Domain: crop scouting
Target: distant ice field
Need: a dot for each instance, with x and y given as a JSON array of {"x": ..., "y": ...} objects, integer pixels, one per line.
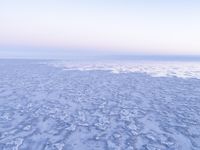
[
  {"x": 68, "y": 105},
  {"x": 182, "y": 69}
]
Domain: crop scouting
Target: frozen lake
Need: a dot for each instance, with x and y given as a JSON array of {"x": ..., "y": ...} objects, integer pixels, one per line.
[{"x": 61, "y": 105}]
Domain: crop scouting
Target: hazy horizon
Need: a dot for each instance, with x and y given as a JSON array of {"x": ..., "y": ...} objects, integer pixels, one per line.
[{"x": 60, "y": 29}]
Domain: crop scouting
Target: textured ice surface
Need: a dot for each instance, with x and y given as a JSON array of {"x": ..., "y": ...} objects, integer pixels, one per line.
[
  {"x": 155, "y": 69},
  {"x": 49, "y": 108}
]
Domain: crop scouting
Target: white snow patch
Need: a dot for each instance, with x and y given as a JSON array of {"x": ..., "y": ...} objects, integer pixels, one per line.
[{"x": 155, "y": 69}]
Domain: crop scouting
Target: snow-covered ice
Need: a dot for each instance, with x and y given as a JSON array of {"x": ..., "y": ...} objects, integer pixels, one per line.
[
  {"x": 61, "y": 105},
  {"x": 184, "y": 69}
]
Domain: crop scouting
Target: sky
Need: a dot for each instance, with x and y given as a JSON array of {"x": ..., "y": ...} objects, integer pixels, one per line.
[{"x": 59, "y": 28}]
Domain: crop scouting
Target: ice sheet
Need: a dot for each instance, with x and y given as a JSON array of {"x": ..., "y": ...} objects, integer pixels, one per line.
[{"x": 43, "y": 107}]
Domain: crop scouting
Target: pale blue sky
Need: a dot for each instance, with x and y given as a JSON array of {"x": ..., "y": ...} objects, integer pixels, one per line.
[{"x": 59, "y": 27}]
